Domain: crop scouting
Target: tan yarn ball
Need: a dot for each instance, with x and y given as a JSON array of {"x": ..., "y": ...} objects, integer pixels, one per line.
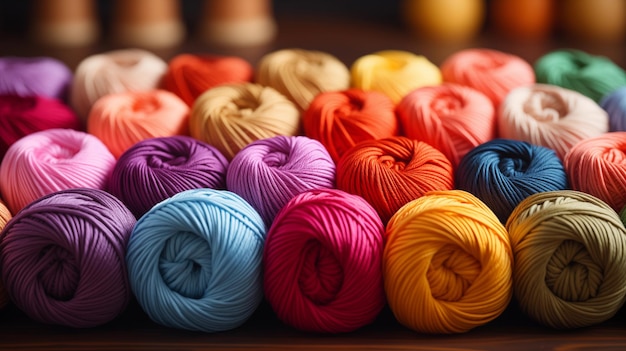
[
  {"x": 229, "y": 117},
  {"x": 5, "y": 216}
]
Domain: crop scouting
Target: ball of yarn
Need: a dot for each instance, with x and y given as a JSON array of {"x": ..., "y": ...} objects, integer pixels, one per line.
[
  {"x": 157, "y": 168},
  {"x": 194, "y": 260},
  {"x": 232, "y": 116},
  {"x": 569, "y": 259},
  {"x": 269, "y": 172},
  {"x": 452, "y": 118},
  {"x": 300, "y": 74},
  {"x": 63, "y": 258},
  {"x": 591, "y": 75},
  {"x": 121, "y": 120},
  {"x": 447, "y": 264},
  {"x": 492, "y": 72},
  {"x": 394, "y": 73},
  {"x": 322, "y": 262},
  {"x": 189, "y": 75},
  {"x": 614, "y": 104},
  {"x": 550, "y": 116},
  {"x": 114, "y": 72},
  {"x": 52, "y": 160},
  {"x": 341, "y": 119},
  {"x": 5, "y": 217},
  {"x": 503, "y": 172},
  {"x": 35, "y": 76},
  {"x": 597, "y": 166},
  {"x": 24, "y": 115},
  {"x": 390, "y": 172}
]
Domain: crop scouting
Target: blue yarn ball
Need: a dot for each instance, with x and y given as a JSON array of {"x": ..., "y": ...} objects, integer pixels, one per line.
[
  {"x": 615, "y": 105},
  {"x": 504, "y": 172},
  {"x": 195, "y": 260}
]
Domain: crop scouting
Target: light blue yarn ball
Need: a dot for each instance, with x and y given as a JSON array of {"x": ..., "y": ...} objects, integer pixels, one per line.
[
  {"x": 615, "y": 105},
  {"x": 195, "y": 260}
]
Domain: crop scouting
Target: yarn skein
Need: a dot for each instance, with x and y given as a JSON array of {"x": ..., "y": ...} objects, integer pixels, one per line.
[
  {"x": 503, "y": 172},
  {"x": 591, "y": 75},
  {"x": 300, "y": 74},
  {"x": 121, "y": 120},
  {"x": 269, "y": 172},
  {"x": 24, "y": 115},
  {"x": 63, "y": 258},
  {"x": 492, "y": 72},
  {"x": 341, "y": 119},
  {"x": 188, "y": 75},
  {"x": 394, "y": 73},
  {"x": 35, "y": 76},
  {"x": 232, "y": 116},
  {"x": 614, "y": 104},
  {"x": 447, "y": 263},
  {"x": 550, "y": 116},
  {"x": 52, "y": 160},
  {"x": 194, "y": 261},
  {"x": 322, "y": 262},
  {"x": 157, "y": 168},
  {"x": 452, "y": 118},
  {"x": 390, "y": 172},
  {"x": 5, "y": 217},
  {"x": 569, "y": 259}
]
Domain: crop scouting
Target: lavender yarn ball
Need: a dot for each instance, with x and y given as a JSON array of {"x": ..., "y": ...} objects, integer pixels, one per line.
[
  {"x": 614, "y": 104},
  {"x": 269, "y": 172},
  {"x": 63, "y": 258},
  {"x": 155, "y": 169},
  {"x": 35, "y": 76}
]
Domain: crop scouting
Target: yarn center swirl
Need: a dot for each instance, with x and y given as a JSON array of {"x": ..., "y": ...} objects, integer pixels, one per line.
[
  {"x": 572, "y": 274},
  {"x": 321, "y": 274},
  {"x": 186, "y": 264},
  {"x": 59, "y": 273},
  {"x": 451, "y": 273},
  {"x": 545, "y": 107}
]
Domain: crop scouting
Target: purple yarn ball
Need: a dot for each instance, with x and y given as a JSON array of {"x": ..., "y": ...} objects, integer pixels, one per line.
[
  {"x": 155, "y": 169},
  {"x": 64, "y": 258},
  {"x": 35, "y": 76},
  {"x": 269, "y": 172},
  {"x": 614, "y": 104}
]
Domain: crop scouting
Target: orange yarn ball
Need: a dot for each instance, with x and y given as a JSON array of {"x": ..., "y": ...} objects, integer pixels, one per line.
[
  {"x": 341, "y": 119},
  {"x": 5, "y": 216},
  {"x": 390, "y": 172}
]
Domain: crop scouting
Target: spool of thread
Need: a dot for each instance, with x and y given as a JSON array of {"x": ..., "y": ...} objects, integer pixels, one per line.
[
  {"x": 550, "y": 116},
  {"x": 523, "y": 19},
  {"x": 52, "y": 160},
  {"x": 450, "y": 117},
  {"x": 342, "y": 119},
  {"x": 155, "y": 169},
  {"x": 597, "y": 21},
  {"x": 114, "y": 71},
  {"x": 5, "y": 217},
  {"x": 614, "y": 104},
  {"x": 447, "y": 264},
  {"x": 194, "y": 261},
  {"x": 569, "y": 259},
  {"x": 269, "y": 172},
  {"x": 21, "y": 116},
  {"x": 597, "y": 166},
  {"x": 147, "y": 23},
  {"x": 447, "y": 21},
  {"x": 390, "y": 172},
  {"x": 318, "y": 277},
  {"x": 232, "y": 116},
  {"x": 301, "y": 74},
  {"x": 503, "y": 172},
  {"x": 188, "y": 75},
  {"x": 63, "y": 258},
  {"x": 35, "y": 76},
  {"x": 492, "y": 72},
  {"x": 123, "y": 119},
  {"x": 591, "y": 75},
  {"x": 65, "y": 23},
  {"x": 394, "y": 73}
]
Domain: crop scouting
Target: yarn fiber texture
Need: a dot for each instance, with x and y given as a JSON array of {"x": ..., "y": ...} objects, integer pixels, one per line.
[
  {"x": 394, "y": 73},
  {"x": 447, "y": 263},
  {"x": 35, "y": 76},
  {"x": 341, "y": 119},
  {"x": 452, "y": 118},
  {"x": 503, "y": 172},
  {"x": 591, "y": 75},
  {"x": 269, "y": 172},
  {"x": 614, "y": 104},
  {"x": 5, "y": 217},
  {"x": 157, "y": 168},
  {"x": 232, "y": 116},
  {"x": 322, "y": 262},
  {"x": 390, "y": 172},
  {"x": 194, "y": 261},
  {"x": 63, "y": 258},
  {"x": 550, "y": 116},
  {"x": 52, "y": 160},
  {"x": 569, "y": 259},
  {"x": 300, "y": 74},
  {"x": 121, "y": 120}
]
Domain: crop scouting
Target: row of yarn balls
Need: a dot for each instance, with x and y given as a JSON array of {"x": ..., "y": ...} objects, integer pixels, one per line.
[{"x": 440, "y": 191}]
